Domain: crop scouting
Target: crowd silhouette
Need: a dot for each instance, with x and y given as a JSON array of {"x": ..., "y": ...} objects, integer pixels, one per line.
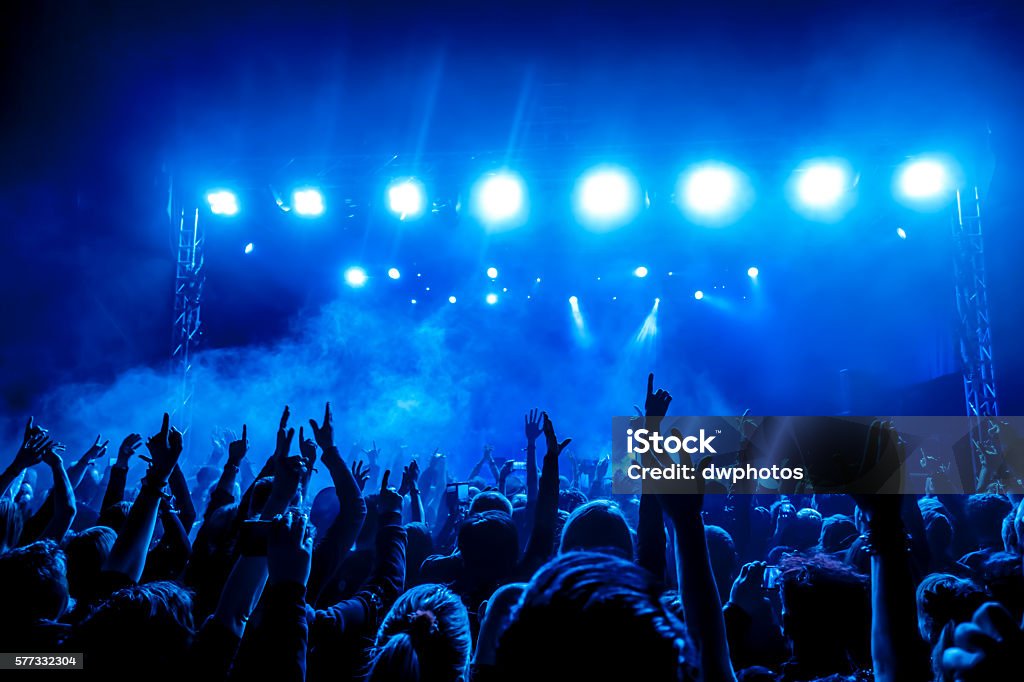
[{"x": 503, "y": 572}]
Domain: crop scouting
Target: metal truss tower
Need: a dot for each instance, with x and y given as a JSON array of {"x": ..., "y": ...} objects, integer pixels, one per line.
[
  {"x": 974, "y": 330},
  {"x": 189, "y": 277}
]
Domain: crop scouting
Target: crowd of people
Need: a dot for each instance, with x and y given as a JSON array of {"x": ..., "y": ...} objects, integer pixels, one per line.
[{"x": 506, "y": 572}]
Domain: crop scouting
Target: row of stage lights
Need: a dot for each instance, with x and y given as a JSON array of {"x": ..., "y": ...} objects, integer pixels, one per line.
[
  {"x": 357, "y": 278},
  {"x": 608, "y": 196}
]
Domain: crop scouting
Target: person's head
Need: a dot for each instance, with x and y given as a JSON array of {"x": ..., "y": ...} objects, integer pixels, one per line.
[
  {"x": 598, "y": 525},
  {"x": 724, "y": 559},
  {"x": 837, "y": 534},
  {"x": 826, "y": 611},
  {"x": 805, "y": 530},
  {"x": 581, "y": 604},
  {"x": 206, "y": 476},
  {"x": 1013, "y": 531},
  {"x": 1001, "y": 575},
  {"x": 489, "y": 545},
  {"x": 419, "y": 545},
  {"x": 86, "y": 552},
  {"x": 569, "y": 500},
  {"x": 490, "y": 500},
  {"x": 33, "y": 584},
  {"x": 114, "y": 515},
  {"x": 11, "y": 522},
  {"x": 425, "y": 636},
  {"x": 938, "y": 532},
  {"x": 943, "y": 598},
  {"x": 830, "y": 505},
  {"x": 325, "y": 508},
  {"x": 143, "y": 627},
  {"x": 985, "y": 514}
]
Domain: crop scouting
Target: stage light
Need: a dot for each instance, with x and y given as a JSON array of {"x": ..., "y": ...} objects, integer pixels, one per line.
[
  {"x": 355, "y": 277},
  {"x": 222, "y": 202},
  {"x": 713, "y": 193},
  {"x": 451, "y": 299},
  {"x": 574, "y": 302},
  {"x": 901, "y": 233},
  {"x": 924, "y": 179},
  {"x": 607, "y": 197},
  {"x": 308, "y": 202},
  {"x": 413, "y": 301},
  {"x": 393, "y": 273},
  {"x": 698, "y": 295},
  {"x": 492, "y": 273},
  {"x": 821, "y": 185},
  {"x": 640, "y": 272},
  {"x": 499, "y": 200},
  {"x": 248, "y": 247},
  {"x": 491, "y": 299},
  {"x": 407, "y": 198},
  {"x": 753, "y": 272}
]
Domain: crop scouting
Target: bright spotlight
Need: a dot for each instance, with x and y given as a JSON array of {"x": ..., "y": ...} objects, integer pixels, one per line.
[
  {"x": 355, "y": 277},
  {"x": 607, "y": 197},
  {"x": 640, "y": 272},
  {"x": 491, "y": 299},
  {"x": 924, "y": 179},
  {"x": 407, "y": 198},
  {"x": 308, "y": 202},
  {"x": 393, "y": 273},
  {"x": 901, "y": 233},
  {"x": 712, "y": 193},
  {"x": 821, "y": 185},
  {"x": 698, "y": 295},
  {"x": 499, "y": 200},
  {"x": 222, "y": 202},
  {"x": 492, "y": 273},
  {"x": 753, "y": 272},
  {"x": 248, "y": 247},
  {"x": 451, "y": 299},
  {"x": 574, "y": 302}
]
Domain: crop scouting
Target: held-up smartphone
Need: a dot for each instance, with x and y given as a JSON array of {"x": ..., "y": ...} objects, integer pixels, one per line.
[
  {"x": 771, "y": 577},
  {"x": 459, "y": 489},
  {"x": 252, "y": 537}
]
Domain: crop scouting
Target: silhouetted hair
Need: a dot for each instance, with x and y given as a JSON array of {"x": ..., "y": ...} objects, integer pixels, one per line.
[
  {"x": 425, "y": 636},
  {"x": 86, "y": 552},
  {"x": 943, "y": 598},
  {"x": 11, "y": 523},
  {"x": 33, "y": 583},
  {"x": 113, "y": 516},
  {"x": 490, "y": 500},
  {"x": 598, "y": 526},
  {"x": 489, "y": 545}
]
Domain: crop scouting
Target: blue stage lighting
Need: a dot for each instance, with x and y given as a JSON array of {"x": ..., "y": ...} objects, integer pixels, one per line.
[
  {"x": 492, "y": 299},
  {"x": 640, "y": 272},
  {"x": 821, "y": 185},
  {"x": 407, "y": 198},
  {"x": 901, "y": 233},
  {"x": 712, "y": 193},
  {"x": 451, "y": 299},
  {"x": 607, "y": 197},
  {"x": 222, "y": 202},
  {"x": 924, "y": 179},
  {"x": 574, "y": 302},
  {"x": 499, "y": 200},
  {"x": 355, "y": 277},
  {"x": 753, "y": 272},
  {"x": 698, "y": 295},
  {"x": 248, "y": 247},
  {"x": 308, "y": 202},
  {"x": 492, "y": 273},
  {"x": 394, "y": 273}
]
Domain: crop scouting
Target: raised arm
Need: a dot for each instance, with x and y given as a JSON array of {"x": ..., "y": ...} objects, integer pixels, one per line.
[
  {"x": 223, "y": 492},
  {"x": 182, "y": 499},
  {"x": 542, "y": 538},
  {"x": 34, "y": 443},
  {"x": 411, "y": 487},
  {"x": 114, "y": 493},
  {"x": 76, "y": 472},
  {"x": 63, "y": 495},
  {"x": 533, "y": 425}
]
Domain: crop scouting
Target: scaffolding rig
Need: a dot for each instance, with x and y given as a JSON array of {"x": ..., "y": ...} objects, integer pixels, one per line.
[
  {"x": 974, "y": 329},
  {"x": 189, "y": 277}
]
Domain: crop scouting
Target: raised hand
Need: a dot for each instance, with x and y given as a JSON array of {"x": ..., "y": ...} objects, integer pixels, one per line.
[
  {"x": 128, "y": 447},
  {"x": 533, "y": 425},
  {"x": 324, "y": 434},
  {"x": 389, "y": 500},
  {"x": 284, "y": 437},
  {"x": 373, "y": 454},
  {"x": 164, "y": 449},
  {"x": 290, "y": 549},
  {"x": 748, "y": 591},
  {"x": 986, "y": 647},
  {"x": 33, "y": 445},
  {"x": 884, "y": 452},
  {"x": 410, "y": 479},
  {"x": 554, "y": 447},
  {"x": 96, "y": 450},
  {"x": 237, "y": 449},
  {"x": 308, "y": 449},
  {"x": 361, "y": 472},
  {"x": 658, "y": 401}
]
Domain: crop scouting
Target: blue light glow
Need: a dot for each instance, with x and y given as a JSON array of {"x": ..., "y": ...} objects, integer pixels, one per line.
[
  {"x": 308, "y": 202},
  {"x": 753, "y": 272},
  {"x": 355, "y": 277},
  {"x": 222, "y": 202},
  {"x": 492, "y": 273},
  {"x": 407, "y": 198},
  {"x": 712, "y": 193},
  {"x": 491, "y": 299},
  {"x": 394, "y": 273},
  {"x": 248, "y": 247},
  {"x": 499, "y": 200},
  {"x": 607, "y": 197},
  {"x": 698, "y": 295},
  {"x": 640, "y": 272}
]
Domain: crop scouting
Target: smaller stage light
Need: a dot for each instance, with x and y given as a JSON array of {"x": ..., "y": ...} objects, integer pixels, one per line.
[
  {"x": 406, "y": 198},
  {"x": 451, "y": 299},
  {"x": 573, "y": 301},
  {"x": 492, "y": 273},
  {"x": 492, "y": 299},
  {"x": 499, "y": 200},
  {"x": 393, "y": 273},
  {"x": 413, "y": 301},
  {"x": 248, "y": 247},
  {"x": 924, "y": 179},
  {"x": 753, "y": 272},
  {"x": 308, "y": 202},
  {"x": 222, "y": 202},
  {"x": 698, "y": 295},
  {"x": 355, "y": 277},
  {"x": 640, "y": 272},
  {"x": 901, "y": 233}
]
